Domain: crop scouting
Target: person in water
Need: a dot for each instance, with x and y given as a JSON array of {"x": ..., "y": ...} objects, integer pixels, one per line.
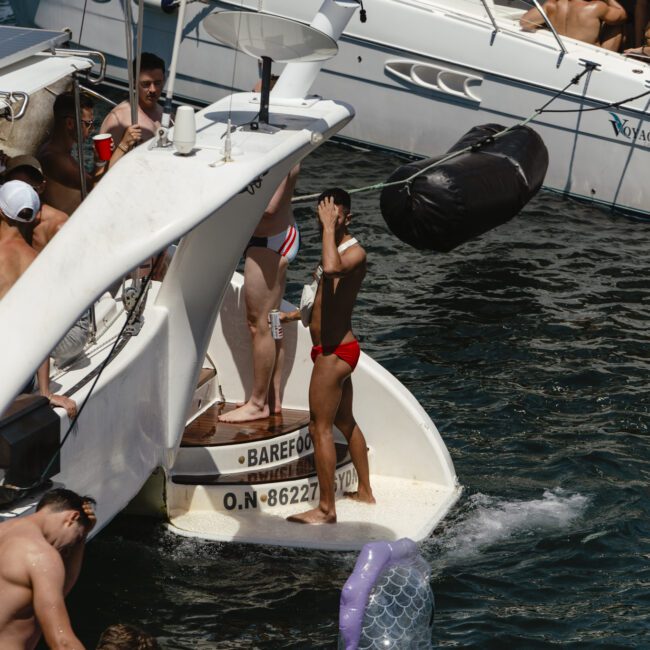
[
  {"x": 335, "y": 354},
  {"x": 118, "y": 121},
  {"x": 19, "y": 205},
  {"x": 126, "y": 637},
  {"x": 40, "y": 560},
  {"x": 579, "y": 19},
  {"x": 273, "y": 246}
]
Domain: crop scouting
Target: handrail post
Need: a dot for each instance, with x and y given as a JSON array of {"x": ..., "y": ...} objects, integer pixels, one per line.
[
  {"x": 492, "y": 19},
  {"x": 550, "y": 26}
]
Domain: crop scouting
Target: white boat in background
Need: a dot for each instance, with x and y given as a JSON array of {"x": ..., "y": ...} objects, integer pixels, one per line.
[
  {"x": 160, "y": 370},
  {"x": 420, "y": 73}
]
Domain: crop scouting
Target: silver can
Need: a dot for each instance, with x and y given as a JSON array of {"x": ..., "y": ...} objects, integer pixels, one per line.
[{"x": 276, "y": 326}]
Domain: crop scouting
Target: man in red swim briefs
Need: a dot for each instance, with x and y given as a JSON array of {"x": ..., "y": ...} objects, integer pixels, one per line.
[{"x": 335, "y": 355}]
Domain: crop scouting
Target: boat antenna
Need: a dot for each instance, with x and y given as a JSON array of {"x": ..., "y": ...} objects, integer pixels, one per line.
[
  {"x": 138, "y": 55},
  {"x": 128, "y": 33},
  {"x": 163, "y": 141}
]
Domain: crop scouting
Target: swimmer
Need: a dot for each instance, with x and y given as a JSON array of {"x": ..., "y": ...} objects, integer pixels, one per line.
[{"x": 40, "y": 561}]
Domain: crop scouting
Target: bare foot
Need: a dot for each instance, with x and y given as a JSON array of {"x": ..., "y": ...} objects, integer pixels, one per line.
[
  {"x": 361, "y": 496},
  {"x": 246, "y": 413},
  {"x": 315, "y": 516}
]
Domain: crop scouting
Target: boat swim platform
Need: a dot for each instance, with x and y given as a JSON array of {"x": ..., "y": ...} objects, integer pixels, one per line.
[
  {"x": 237, "y": 482},
  {"x": 403, "y": 509}
]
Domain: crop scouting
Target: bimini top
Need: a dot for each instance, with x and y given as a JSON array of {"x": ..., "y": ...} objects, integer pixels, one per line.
[{"x": 277, "y": 38}]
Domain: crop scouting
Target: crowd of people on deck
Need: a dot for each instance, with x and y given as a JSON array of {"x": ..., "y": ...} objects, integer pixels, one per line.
[
  {"x": 40, "y": 554},
  {"x": 616, "y": 25},
  {"x": 38, "y": 193}
]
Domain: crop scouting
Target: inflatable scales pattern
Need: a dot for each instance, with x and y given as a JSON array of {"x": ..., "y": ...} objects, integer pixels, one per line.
[{"x": 387, "y": 601}]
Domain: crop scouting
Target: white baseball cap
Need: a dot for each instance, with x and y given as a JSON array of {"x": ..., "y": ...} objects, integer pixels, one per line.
[{"x": 16, "y": 196}]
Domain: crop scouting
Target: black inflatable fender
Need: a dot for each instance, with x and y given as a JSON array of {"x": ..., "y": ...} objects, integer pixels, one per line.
[{"x": 469, "y": 194}]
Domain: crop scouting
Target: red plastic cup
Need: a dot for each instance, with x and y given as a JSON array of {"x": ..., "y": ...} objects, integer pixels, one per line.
[{"x": 103, "y": 145}]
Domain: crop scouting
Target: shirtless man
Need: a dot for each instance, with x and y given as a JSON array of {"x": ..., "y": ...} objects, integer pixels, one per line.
[
  {"x": 335, "y": 355},
  {"x": 579, "y": 19},
  {"x": 40, "y": 561},
  {"x": 272, "y": 247},
  {"x": 61, "y": 169},
  {"x": 118, "y": 121},
  {"x": 19, "y": 204},
  {"x": 49, "y": 220}
]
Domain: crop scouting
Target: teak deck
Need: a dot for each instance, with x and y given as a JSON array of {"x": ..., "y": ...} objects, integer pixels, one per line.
[{"x": 207, "y": 431}]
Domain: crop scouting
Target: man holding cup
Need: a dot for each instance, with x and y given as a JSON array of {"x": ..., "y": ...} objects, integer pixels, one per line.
[{"x": 118, "y": 122}]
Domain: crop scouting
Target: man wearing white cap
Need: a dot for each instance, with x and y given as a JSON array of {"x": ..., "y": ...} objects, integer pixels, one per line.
[
  {"x": 19, "y": 205},
  {"x": 49, "y": 220}
]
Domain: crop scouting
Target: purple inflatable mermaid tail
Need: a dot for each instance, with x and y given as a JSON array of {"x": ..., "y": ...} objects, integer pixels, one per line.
[{"x": 387, "y": 602}]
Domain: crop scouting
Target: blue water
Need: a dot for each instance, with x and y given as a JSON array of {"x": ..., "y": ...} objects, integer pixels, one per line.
[{"x": 529, "y": 348}]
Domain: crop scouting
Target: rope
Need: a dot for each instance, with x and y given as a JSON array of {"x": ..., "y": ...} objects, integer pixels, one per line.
[
  {"x": 487, "y": 140},
  {"x": 101, "y": 369},
  {"x": 83, "y": 20}
]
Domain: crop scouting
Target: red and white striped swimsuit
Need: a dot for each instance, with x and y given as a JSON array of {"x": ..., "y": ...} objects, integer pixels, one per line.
[{"x": 285, "y": 243}]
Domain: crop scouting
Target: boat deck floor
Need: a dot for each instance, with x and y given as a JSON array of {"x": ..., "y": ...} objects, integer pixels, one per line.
[
  {"x": 207, "y": 431},
  {"x": 404, "y": 508}
]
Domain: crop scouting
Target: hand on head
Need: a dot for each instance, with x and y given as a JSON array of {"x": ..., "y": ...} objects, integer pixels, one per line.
[
  {"x": 328, "y": 212},
  {"x": 90, "y": 513}
]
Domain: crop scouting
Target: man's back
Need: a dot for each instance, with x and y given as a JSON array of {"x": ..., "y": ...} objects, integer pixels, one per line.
[
  {"x": 579, "y": 19},
  {"x": 23, "y": 549},
  {"x": 15, "y": 256}
]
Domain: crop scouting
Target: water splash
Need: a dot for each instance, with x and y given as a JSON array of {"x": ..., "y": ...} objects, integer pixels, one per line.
[{"x": 486, "y": 521}]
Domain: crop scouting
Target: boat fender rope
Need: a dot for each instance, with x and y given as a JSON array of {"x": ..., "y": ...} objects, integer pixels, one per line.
[
  {"x": 589, "y": 67},
  {"x": 122, "y": 336}
]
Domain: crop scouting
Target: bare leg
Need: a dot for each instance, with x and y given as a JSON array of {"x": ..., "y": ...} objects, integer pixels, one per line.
[
  {"x": 356, "y": 444},
  {"x": 275, "y": 389},
  {"x": 262, "y": 291},
  {"x": 325, "y": 391}
]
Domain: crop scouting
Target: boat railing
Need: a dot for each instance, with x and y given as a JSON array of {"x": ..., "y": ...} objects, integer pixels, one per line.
[
  {"x": 8, "y": 98},
  {"x": 91, "y": 54},
  {"x": 551, "y": 28}
]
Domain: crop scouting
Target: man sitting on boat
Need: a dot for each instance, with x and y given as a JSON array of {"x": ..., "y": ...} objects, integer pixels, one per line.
[
  {"x": 40, "y": 561},
  {"x": 19, "y": 205},
  {"x": 118, "y": 121},
  {"x": 579, "y": 19},
  {"x": 49, "y": 220},
  {"x": 335, "y": 354},
  {"x": 62, "y": 172}
]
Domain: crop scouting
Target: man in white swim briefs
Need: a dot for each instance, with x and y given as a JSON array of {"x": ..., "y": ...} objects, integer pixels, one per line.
[{"x": 272, "y": 247}]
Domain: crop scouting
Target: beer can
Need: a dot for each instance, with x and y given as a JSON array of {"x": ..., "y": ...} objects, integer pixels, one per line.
[{"x": 276, "y": 326}]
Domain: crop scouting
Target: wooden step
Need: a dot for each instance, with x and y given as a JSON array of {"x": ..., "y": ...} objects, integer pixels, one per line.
[
  {"x": 207, "y": 431},
  {"x": 205, "y": 376},
  {"x": 300, "y": 468}
]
